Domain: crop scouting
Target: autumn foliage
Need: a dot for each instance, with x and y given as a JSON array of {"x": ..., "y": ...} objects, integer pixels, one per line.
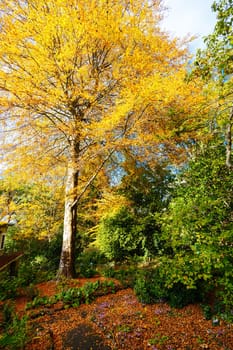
[{"x": 81, "y": 80}]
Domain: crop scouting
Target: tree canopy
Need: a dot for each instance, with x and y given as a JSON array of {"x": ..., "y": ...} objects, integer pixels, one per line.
[
  {"x": 215, "y": 65},
  {"x": 80, "y": 80}
]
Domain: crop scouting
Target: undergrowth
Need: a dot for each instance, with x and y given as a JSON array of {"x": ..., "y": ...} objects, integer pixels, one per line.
[
  {"x": 15, "y": 332},
  {"x": 73, "y": 297}
]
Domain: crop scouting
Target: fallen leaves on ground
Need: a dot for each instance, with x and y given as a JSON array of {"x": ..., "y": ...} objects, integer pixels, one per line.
[{"x": 120, "y": 321}]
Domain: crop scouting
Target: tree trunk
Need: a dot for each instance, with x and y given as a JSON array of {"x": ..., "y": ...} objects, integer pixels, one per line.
[{"x": 67, "y": 259}]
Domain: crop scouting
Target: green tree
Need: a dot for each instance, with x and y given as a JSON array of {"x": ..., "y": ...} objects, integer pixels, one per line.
[
  {"x": 198, "y": 225},
  {"x": 116, "y": 236},
  {"x": 215, "y": 65},
  {"x": 134, "y": 229}
]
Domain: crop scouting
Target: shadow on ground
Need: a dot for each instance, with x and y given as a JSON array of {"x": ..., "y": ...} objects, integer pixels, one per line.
[{"x": 84, "y": 338}]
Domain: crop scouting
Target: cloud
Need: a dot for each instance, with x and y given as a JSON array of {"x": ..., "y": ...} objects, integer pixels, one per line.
[{"x": 193, "y": 17}]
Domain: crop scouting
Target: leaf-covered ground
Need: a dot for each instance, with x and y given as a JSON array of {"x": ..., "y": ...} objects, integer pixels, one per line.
[{"x": 118, "y": 321}]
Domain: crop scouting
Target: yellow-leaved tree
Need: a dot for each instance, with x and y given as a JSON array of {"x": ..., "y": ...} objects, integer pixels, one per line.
[
  {"x": 36, "y": 206},
  {"x": 83, "y": 79}
]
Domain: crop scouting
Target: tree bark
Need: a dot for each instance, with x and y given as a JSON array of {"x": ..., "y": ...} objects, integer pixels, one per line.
[{"x": 67, "y": 259}]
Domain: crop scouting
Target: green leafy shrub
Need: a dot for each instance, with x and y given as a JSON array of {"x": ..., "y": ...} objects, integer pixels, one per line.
[
  {"x": 109, "y": 272},
  {"x": 39, "y": 301},
  {"x": 207, "y": 311},
  {"x": 70, "y": 297},
  {"x": 8, "y": 287},
  {"x": 116, "y": 235},
  {"x": 179, "y": 295},
  {"x": 150, "y": 286},
  {"x": 87, "y": 272},
  {"x": 141, "y": 289},
  {"x": 8, "y": 313},
  {"x": 88, "y": 261},
  {"x": 11, "y": 287},
  {"x": 225, "y": 290},
  {"x": 197, "y": 225},
  {"x": 107, "y": 287},
  {"x": 88, "y": 291},
  {"x": 126, "y": 276},
  {"x": 15, "y": 335},
  {"x": 34, "y": 270},
  {"x": 73, "y": 297}
]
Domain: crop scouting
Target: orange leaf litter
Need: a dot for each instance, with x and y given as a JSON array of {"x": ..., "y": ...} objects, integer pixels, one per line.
[{"x": 123, "y": 323}]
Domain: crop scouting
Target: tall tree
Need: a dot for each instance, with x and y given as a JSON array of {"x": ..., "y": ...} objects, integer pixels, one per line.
[
  {"x": 215, "y": 64},
  {"x": 83, "y": 79}
]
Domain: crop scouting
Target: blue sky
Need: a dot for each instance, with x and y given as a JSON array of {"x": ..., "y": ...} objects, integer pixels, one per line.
[{"x": 189, "y": 17}]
